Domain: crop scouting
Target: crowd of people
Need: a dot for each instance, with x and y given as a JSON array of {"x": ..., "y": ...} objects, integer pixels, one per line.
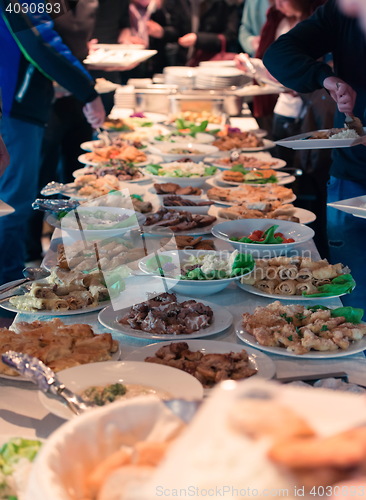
[{"x": 314, "y": 48}]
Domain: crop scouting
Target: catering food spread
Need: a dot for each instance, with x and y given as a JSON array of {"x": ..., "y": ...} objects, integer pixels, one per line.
[
  {"x": 210, "y": 368},
  {"x": 231, "y": 138},
  {"x": 101, "y": 395},
  {"x": 172, "y": 188},
  {"x": 182, "y": 169},
  {"x": 165, "y": 315},
  {"x": 300, "y": 276},
  {"x": 125, "y": 152},
  {"x": 260, "y": 210},
  {"x": 58, "y": 345},
  {"x": 63, "y": 291},
  {"x": 300, "y": 329},
  {"x": 177, "y": 220},
  {"x": 247, "y": 193}
]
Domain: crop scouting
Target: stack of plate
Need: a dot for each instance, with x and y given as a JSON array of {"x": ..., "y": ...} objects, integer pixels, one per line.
[
  {"x": 124, "y": 97},
  {"x": 219, "y": 77},
  {"x": 217, "y": 64},
  {"x": 182, "y": 76}
]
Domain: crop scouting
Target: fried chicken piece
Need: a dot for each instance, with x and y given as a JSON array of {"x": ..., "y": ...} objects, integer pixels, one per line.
[{"x": 311, "y": 341}]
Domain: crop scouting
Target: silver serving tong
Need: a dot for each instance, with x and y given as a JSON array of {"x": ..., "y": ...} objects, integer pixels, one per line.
[
  {"x": 30, "y": 274},
  {"x": 104, "y": 136},
  {"x": 54, "y": 206},
  {"x": 56, "y": 188},
  {"x": 45, "y": 379}
]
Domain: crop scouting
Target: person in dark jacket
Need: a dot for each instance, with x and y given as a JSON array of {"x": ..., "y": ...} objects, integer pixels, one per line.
[
  {"x": 32, "y": 56},
  {"x": 294, "y": 60},
  {"x": 195, "y": 25}
]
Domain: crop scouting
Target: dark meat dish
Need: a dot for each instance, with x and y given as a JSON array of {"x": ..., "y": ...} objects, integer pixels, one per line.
[
  {"x": 177, "y": 220},
  {"x": 121, "y": 169},
  {"x": 178, "y": 201},
  {"x": 181, "y": 242},
  {"x": 172, "y": 188},
  {"x": 165, "y": 316},
  {"x": 209, "y": 369}
]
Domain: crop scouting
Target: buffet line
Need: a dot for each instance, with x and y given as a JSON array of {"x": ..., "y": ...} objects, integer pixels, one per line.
[{"x": 179, "y": 250}]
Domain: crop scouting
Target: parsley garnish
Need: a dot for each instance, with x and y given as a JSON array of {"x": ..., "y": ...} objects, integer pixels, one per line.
[
  {"x": 287, "y": 318},
  {"x": 290, "y": 338},
  {"x": 324, "y": 328}
]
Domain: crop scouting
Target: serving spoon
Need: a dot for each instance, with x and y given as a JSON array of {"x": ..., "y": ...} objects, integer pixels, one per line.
[{"x": 30, "y": 274}]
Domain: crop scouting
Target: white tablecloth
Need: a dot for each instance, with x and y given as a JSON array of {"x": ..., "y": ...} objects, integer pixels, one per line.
[{"x": 22, "y": 414}]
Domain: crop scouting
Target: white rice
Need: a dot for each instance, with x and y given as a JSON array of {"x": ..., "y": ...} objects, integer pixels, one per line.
[{"x": 348, "y": 133}]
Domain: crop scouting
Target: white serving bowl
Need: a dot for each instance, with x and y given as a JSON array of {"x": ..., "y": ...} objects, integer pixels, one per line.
[
  {"x": 90, "y": 234},
  {"x": 193, "y": 288},
  {"x": 79, "y": 378},
  {"x": 239, "y": 228},
  {"x": 78, "y": 446},
  {"x": 166, "y": 150}
]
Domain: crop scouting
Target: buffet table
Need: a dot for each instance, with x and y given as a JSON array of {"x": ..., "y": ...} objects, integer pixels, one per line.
[{"x": 21, "y": 412}]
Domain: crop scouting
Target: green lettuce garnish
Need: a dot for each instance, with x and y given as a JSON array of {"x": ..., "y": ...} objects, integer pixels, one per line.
[
  {"x": 338, "y": 286},
  {"x": 350, "y": 314}
]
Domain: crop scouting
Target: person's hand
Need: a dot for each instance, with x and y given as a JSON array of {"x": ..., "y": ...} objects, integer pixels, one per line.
[
  {"x": 188, "y": 40},
  {"x": 4, "y": 157},
  {"x": 154, "y": 29},
  {"x": 127, "y": 38},
  {"x": 94, "y": 112},
  {"x": 254, "y": 41},
  {"x": 342, "y": 93},
  {"x": 241, "y": 63},
  {"x": 92, "y": 44}
]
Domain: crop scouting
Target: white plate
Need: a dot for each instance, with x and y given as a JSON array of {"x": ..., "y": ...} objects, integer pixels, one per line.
[
  {"x": 82, "y": 159},
  {"x": 126, "y": 113},
  {"x": 215, "y": 183},
  {"x": 5, "y": 209},
  {"x": 355, "y": 206},
  {"x": 104, "y": 56},
  {"x": 166, "y": 150},
  {"x": 260, "y": 156},
  {"x": 9, "y": 307},
  {"x": 114, "y": 357},
  {"x": 222, "y": 320},
  {"x": 261, "y": 362},
  {"x": 179, "y": 384},
  {"x": 181, "y": 181},
  {"x": 247, "y": 338},
  {"x": 300, "y": 141},
  {"x": 282, "y": 179},
  {"x": 304, "y": 216},
  {"x": 294, "y": 298},
  {"x": 267, "y": 144}
]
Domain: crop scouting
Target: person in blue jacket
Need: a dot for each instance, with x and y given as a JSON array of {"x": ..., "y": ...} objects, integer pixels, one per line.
[
  {"x": 32, "y": 56},
  {"x": 294, "y": 59}
]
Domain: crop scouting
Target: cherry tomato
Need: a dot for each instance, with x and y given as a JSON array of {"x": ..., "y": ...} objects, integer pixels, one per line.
[
  {"x": 289, "y": 240},
  {"x": 280, "y": 235}
]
